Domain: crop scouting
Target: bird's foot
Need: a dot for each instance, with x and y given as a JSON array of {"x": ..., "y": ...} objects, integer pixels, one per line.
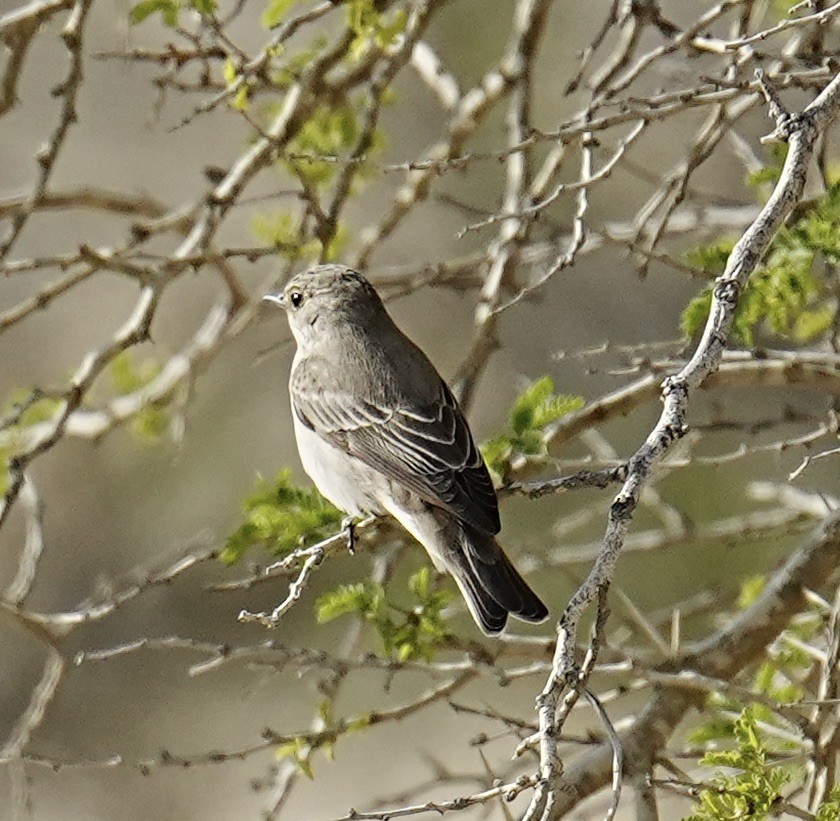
[{"x": 348, "y": 525}]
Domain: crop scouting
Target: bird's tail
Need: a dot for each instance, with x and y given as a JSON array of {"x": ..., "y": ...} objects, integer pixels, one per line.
[{"x": 491, "y": 585}]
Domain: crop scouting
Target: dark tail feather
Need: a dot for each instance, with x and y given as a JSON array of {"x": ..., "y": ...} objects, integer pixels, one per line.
[
  {"x": 489, "y": 615},
  {"x": 491, "y": 584}
]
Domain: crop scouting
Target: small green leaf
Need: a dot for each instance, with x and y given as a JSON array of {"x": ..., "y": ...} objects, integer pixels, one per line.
[
  {"x": 534, "y": 410},
  {"x": 206, "y": 8},
  {"x": 497, "y": 453},
  {"x": 539, "y": 406},
  {"x": 769, "y": 173},
  {"x": 405, "y": 652},
  {"x": 240, "y": 99},
  {"x": 41, "y": 410},
  {"x": 365, "y": 598},
  {"x": 696, "y": 313},
  {"x": 751, "y": 589},
  {"x": 231, "y": 75},
  {"x": 230, "y": 71},
  {"x": 372, "y": 27},
  {"x": 717, "y": 729},
  {"x": 830, "y": 808},
  {"x": 420, "y": 583},
  {"x": 279, "y": 230},
  {"x": 129, "y": 375},
  {"x": 329, "y": 131},
  {"x": 360, "y": 722},
  {"x": 150, "y": 425},
  {"x": 711, "y": 258},
  {"x": 281, "y": 516},
  {"x": 791, "y": 295},
  {"x": 755, "y": 787},
  {"x": 275, "y": 11},
  {"x": 300, "y": 752},
  {"x": 168, "y": 10},
  {"x": 415, "y": 634},
  {"x": 524, "y": 407}
]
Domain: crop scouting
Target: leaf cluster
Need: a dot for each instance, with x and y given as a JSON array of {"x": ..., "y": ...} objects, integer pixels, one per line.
[
  {"x": 300, "y": 750},
  {"x": 830, "y": 808},
  {"x": 791, "y": 295},
  {"x": 405, "y": 634},
  {"x": 332, "y": 129},
  {"x": 373, "y": 27},
  {"x": 281, "y": 516},
  {"x": 279, "y": 230},
  {"x": 770, "y": 172},
  {"x": 756, "y": 786},
  {"x": 128, "y": 375},
  {"x": 22, "y": 409},
  {"x": 169, "y": 10},
  {"x": 532, "y": 412},
  {"x": 754, "y": 789}
]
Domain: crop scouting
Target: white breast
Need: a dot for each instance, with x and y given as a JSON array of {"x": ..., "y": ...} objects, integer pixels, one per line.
[{"x": 347, "y": 482}]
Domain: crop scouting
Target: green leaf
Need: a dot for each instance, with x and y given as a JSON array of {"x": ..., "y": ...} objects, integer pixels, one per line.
[
  {"x": 360, "y": 722},
  {"x": 539, "y": 406},
  {"x": 497, "y": 453},
  {"x": 420, "y": 583},
  {"x": 524, "y": 407},
  {"x": 711, "y": 258},
  {"x": 534, "y": 410},
  {"x": 415, "y": 634},
  {"x": 282, "y": 516},
  {"x": 129, "y": 375},
  {"x": 769, "y": 173},
  {"x": 696, "y": 313},
  {"x": 300, "y": 751},
  {"x": 231, "y": 75},
  {"x": 365, "y": 598},
  {"x": 751, "y": 589},
  {"x": 279, "y": 230},
  {"x": 755, "y": 787},
  {"x": 829, "y": 810},
  {"x": 555, "y": 407},
  {"x": 791, "y": 295},
  {"x": 329, "y": 131},
  {"x": 168, "y": 10},
  {"x": 240, "y": 99},
  {"x": 230, "y": 71},
  {"x": 206, "y": 8},
  {"x": 371, "y": 27},
  {"x": 717, "y": 729},
  {"x": 150, "y": 425},
  {"x": 275, "y": 11},
  {"x": 25, "y": 407}
]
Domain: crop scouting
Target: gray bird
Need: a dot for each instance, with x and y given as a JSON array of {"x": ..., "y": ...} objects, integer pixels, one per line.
[{"x": 378, "y": 431}]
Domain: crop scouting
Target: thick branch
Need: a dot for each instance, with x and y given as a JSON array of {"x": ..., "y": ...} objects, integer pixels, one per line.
[
  {"x": 722, "y": 655},
  {"x": 802, "y": 131}
]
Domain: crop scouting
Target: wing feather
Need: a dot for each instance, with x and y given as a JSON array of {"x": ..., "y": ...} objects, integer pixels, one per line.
[{"x": 426, "y": 448}]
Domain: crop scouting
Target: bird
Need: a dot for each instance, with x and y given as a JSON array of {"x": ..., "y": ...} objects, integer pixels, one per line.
[{"x": 379, "y": 432}]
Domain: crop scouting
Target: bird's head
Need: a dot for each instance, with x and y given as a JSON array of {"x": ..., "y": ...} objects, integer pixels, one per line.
[{"x": 325, "y": 298}]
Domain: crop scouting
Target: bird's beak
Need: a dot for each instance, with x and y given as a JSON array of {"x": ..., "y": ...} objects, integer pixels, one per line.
[{"x": 278, "y": 298}]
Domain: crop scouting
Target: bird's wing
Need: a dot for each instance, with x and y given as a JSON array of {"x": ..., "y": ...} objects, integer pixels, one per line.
[{"x": 427, "y": 449}]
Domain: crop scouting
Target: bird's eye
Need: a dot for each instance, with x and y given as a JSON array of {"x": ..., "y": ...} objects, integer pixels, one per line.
[{"x": 296, "y": 297}]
